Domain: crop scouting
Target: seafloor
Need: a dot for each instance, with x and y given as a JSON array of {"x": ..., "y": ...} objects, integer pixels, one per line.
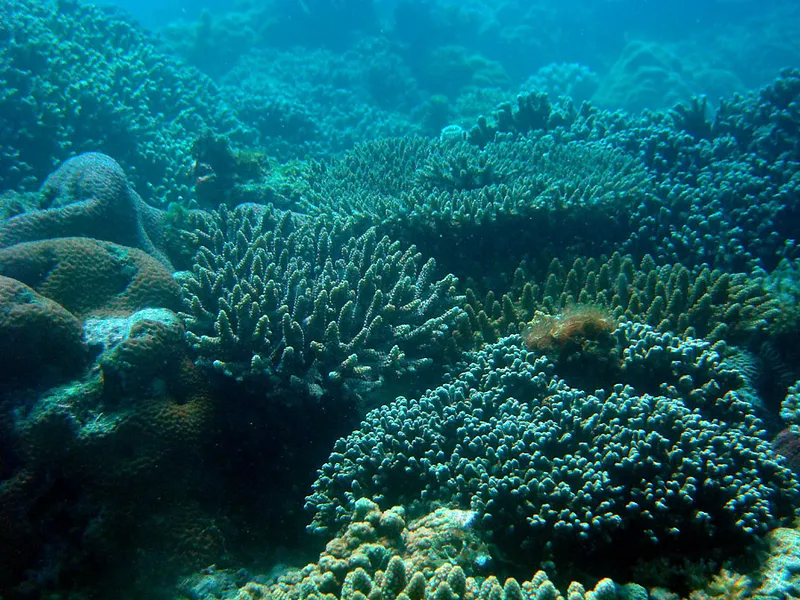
[{"x": 543, "y": 350}]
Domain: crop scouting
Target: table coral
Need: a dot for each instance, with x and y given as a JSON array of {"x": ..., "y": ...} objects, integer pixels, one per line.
[{"x": 700, "y": 302}]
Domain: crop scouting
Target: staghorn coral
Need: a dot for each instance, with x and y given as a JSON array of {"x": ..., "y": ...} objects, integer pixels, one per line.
[
  {"x": 306, "y": 305},
  {"x": 561, "y": 476}
]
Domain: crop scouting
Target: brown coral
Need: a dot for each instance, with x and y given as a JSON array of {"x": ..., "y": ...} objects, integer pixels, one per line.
[
  {"x": 569, "y": 330},
  {"x": 725, "y": 585},
  {"x": 38, "y": 337},
  {"x": 91, "y": 277}
]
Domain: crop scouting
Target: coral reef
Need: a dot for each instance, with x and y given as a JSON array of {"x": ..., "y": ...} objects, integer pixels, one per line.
[
  {"x": 779, "y": 576},
  {"x": 79, "y": 78},
  {"x": 650, "y": 75},
  {"x": 90, "y": 196},
  {"x": 561, "y": 476},
  {"x": 311, "y": 103},
  {"x": 39, "y": 339},
  {"x": 602, "y": 306},
  {"x": 224, "y": 175},
  {"x": 468, "y": 206},
  {"x": 572, "y": 80},
  {"x": 725, "y": 585},
  {"x": 136, "y": 350},
  {"x": 309, "y": 306}
]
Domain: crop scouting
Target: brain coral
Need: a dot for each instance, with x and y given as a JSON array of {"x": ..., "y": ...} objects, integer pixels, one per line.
[
  {"x": 127, "y": 444},
  {"x": 90, "y": 196},
  {"x": 594, "y": 480},
  {"x": 91, "y": 277},
  {"x": 37, "y": 336}
]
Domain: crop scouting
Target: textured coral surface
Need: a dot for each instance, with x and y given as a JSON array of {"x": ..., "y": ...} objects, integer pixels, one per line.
[{"x": 505, "y": 345}]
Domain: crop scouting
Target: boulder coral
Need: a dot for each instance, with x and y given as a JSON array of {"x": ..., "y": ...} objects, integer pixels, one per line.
[
  {"x": 90, "y": 277},
  {"x": 39, "y": 339},
  {"x": 90, "y": 196}
]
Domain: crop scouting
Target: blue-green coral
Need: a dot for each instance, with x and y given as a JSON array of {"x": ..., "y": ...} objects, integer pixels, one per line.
[
  {"x": 75, "y": 78},
  {"x": 311, "y": 306},
  {"x": 551, "y": 468}
]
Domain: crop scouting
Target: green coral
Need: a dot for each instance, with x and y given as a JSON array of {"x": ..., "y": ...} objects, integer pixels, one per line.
[
  {"x": 697, "y": 302},
  {"x": 310, "y": 306}
]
